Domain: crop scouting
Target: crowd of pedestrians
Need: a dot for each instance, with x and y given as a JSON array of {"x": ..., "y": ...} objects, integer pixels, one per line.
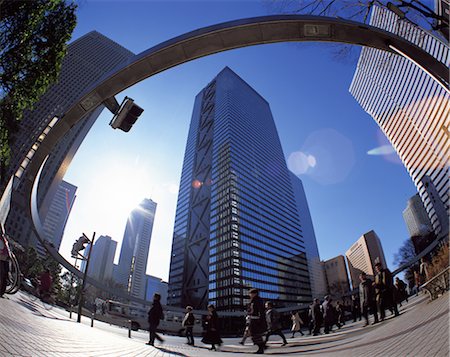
[{"x": 263, "y": 320}]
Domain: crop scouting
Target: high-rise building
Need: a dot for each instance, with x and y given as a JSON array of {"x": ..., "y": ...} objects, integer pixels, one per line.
[
  {"x": 236, "y": 224},
  {"x": 135, "y": 248},
  {"x": 337, "y": 277},
  {"x": 102, "y": 259},
  {"x": 410, "y": 107},
  {"x": 416, "y": 217},
  {"x": 315, "y": 266},
  {"x": 88, "y": 59},
  {"x": 156, "y": 285},
  {"x": 363, "y": 255},
  {"x": 55, "y": 221}
]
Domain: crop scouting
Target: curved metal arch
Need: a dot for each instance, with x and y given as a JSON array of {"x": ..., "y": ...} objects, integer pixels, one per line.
[{"x": 210, "y": 40}]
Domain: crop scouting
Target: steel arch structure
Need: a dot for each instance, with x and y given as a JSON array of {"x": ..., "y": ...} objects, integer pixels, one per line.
[{"x": 206, "y": 41}]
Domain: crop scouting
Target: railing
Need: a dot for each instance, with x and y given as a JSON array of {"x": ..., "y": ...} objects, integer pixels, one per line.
[{"x": 437, "y": 285}]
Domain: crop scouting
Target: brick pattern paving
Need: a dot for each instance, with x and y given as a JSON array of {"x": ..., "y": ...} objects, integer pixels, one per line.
[{"x": 27, "y": 329}]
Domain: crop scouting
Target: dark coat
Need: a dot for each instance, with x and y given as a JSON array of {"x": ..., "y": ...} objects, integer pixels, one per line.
[
  {"x": 384, "y": 287},
  {"x": 366, "y": 293},
  {"x": 273, "y": 320},
  {"x": 316, "y": 313},
  {"x": 328, "y": 312},
  {"x": 155, "y": 314},
  {"x": 256, "y": 312},
  {"x": 212, "y": 335}
]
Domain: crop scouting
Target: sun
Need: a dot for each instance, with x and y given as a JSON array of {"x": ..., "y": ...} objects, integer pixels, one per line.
[{"x": 116, "y": 191}]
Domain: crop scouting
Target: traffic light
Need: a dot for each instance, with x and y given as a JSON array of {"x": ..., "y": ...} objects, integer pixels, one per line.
[
  {"x": 79, "y": 245},
  {"x": 127, "y": 115}
]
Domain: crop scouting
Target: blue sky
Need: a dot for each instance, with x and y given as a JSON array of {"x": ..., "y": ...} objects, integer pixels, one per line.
[{"x": 349, "y": 191}]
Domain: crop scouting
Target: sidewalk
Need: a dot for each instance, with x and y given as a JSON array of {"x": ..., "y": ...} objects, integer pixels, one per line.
[{"x": 27, "y": 329}]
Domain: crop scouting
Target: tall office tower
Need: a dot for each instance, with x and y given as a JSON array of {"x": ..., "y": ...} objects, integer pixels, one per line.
[
  {"x": 363, "y": 255},
  {"x": 55, "y": 221},
  {"x": 135, "y": 247},
  {"x": 87, "y": 60},
  {"x": 156, "y": 285},
  {"x": 337, "y": 277},
  {"x": 416, "y": 217},
  {"x": 102, "y": 259},
  {"x": 315, "y": 266},
  {"x": 410, "y": 107},
  {"x": 236, "y": 224}
]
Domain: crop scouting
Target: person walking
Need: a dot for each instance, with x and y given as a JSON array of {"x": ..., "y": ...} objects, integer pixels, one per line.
[
  {"x": 246, "y": 331},
  {"x": 366, "y": 298},
  {"x": 328, "y": 314},
  {"x": 273, "y": 323},
  {"x": 297, "y": 323},
  {"x": 155, "y": 314},
  {"x": 384, "y": 291},
  {"x": 400, "y": 291},
  {"x": 339, "y": 314},
  {"x": 317, "y": 317},
  {"x": 4, "y": 264},
  {"x": 258, "y": 323},
  {"x": 212, "y": 336},
  {"x": 188, "y": 323},
  {"x": 356, "y": 308}
]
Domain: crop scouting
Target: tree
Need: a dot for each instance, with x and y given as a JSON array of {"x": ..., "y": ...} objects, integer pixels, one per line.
[
  {"x": 359, "y": 10},
  {"x": 405, "y": 254},
  {"x": 33, "y": 37}
]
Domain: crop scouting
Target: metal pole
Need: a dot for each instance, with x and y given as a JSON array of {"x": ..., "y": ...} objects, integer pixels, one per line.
[
  {"x": 71, "y": 290},
  {"x": 80, "y": 300},
  {"x": 129, "y": 328}
]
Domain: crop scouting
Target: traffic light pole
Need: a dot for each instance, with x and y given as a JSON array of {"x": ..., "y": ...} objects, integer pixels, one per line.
[{"x": 81, "y": 292}]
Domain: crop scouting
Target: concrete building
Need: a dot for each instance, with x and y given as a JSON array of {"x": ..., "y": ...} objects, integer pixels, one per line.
[
  {"x": 55, "y": 221},
  {"x": 315, "y": 266},
  {"x": 237, "y": 223},
  {"x": 132, "y": 267},
  {"x": 102, "y": 259},
  {"x": 411, "y": 109},
  {"x": 88, "y": 59},
  {"x": 337, "y": 277},
  {"x": 363, "y": 255},
  {"x": 416, "y": 217},
  {"x": 156, "y": 285}
]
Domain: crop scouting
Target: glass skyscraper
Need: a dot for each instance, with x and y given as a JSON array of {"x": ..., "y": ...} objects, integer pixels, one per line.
[
  {"x": 237, "y": 225},
  {"x": 411, "y": 109},
  {"x": 135, "y": 247}
]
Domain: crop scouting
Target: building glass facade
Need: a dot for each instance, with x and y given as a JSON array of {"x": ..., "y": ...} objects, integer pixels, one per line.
[
  {"x": 237, "y": 225},
  {"x": 411, "y": 109}
]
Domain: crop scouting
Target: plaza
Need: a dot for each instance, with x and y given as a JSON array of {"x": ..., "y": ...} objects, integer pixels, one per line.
[{"x": 422, "y": 329}]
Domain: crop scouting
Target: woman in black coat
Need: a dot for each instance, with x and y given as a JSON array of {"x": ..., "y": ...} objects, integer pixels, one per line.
[{"x": 212, "y": 336}]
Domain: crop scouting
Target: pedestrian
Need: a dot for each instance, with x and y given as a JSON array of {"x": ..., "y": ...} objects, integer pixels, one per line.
[
  {"x": 417, "y": 282},
  {"x": 297, "y": 323},
  {"x": 4, "y": 264},
  {"x": 328, "y": 314},
  {"x": 400, "y": 290},
  {"x": 423, "y": 270},
  {"x": 273, "y": 323},
  {"x": 212, "y": 335},
  {"x": 367, "y": 298},
  {"x": 258, "y": 323},
  {"x": 317, "y": 317},
  {"x": 188, "y": 323},
  {"x": 247, "y": 330},
  {"x": 356, "y": 308},
  {"x": 155, "y": 314},
  {"x": 384, "y": 291},
  {"x": 339, "y": 314}
]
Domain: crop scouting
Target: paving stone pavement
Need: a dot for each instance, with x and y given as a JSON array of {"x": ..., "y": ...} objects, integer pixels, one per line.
[{"x": 27, "y": 329}]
